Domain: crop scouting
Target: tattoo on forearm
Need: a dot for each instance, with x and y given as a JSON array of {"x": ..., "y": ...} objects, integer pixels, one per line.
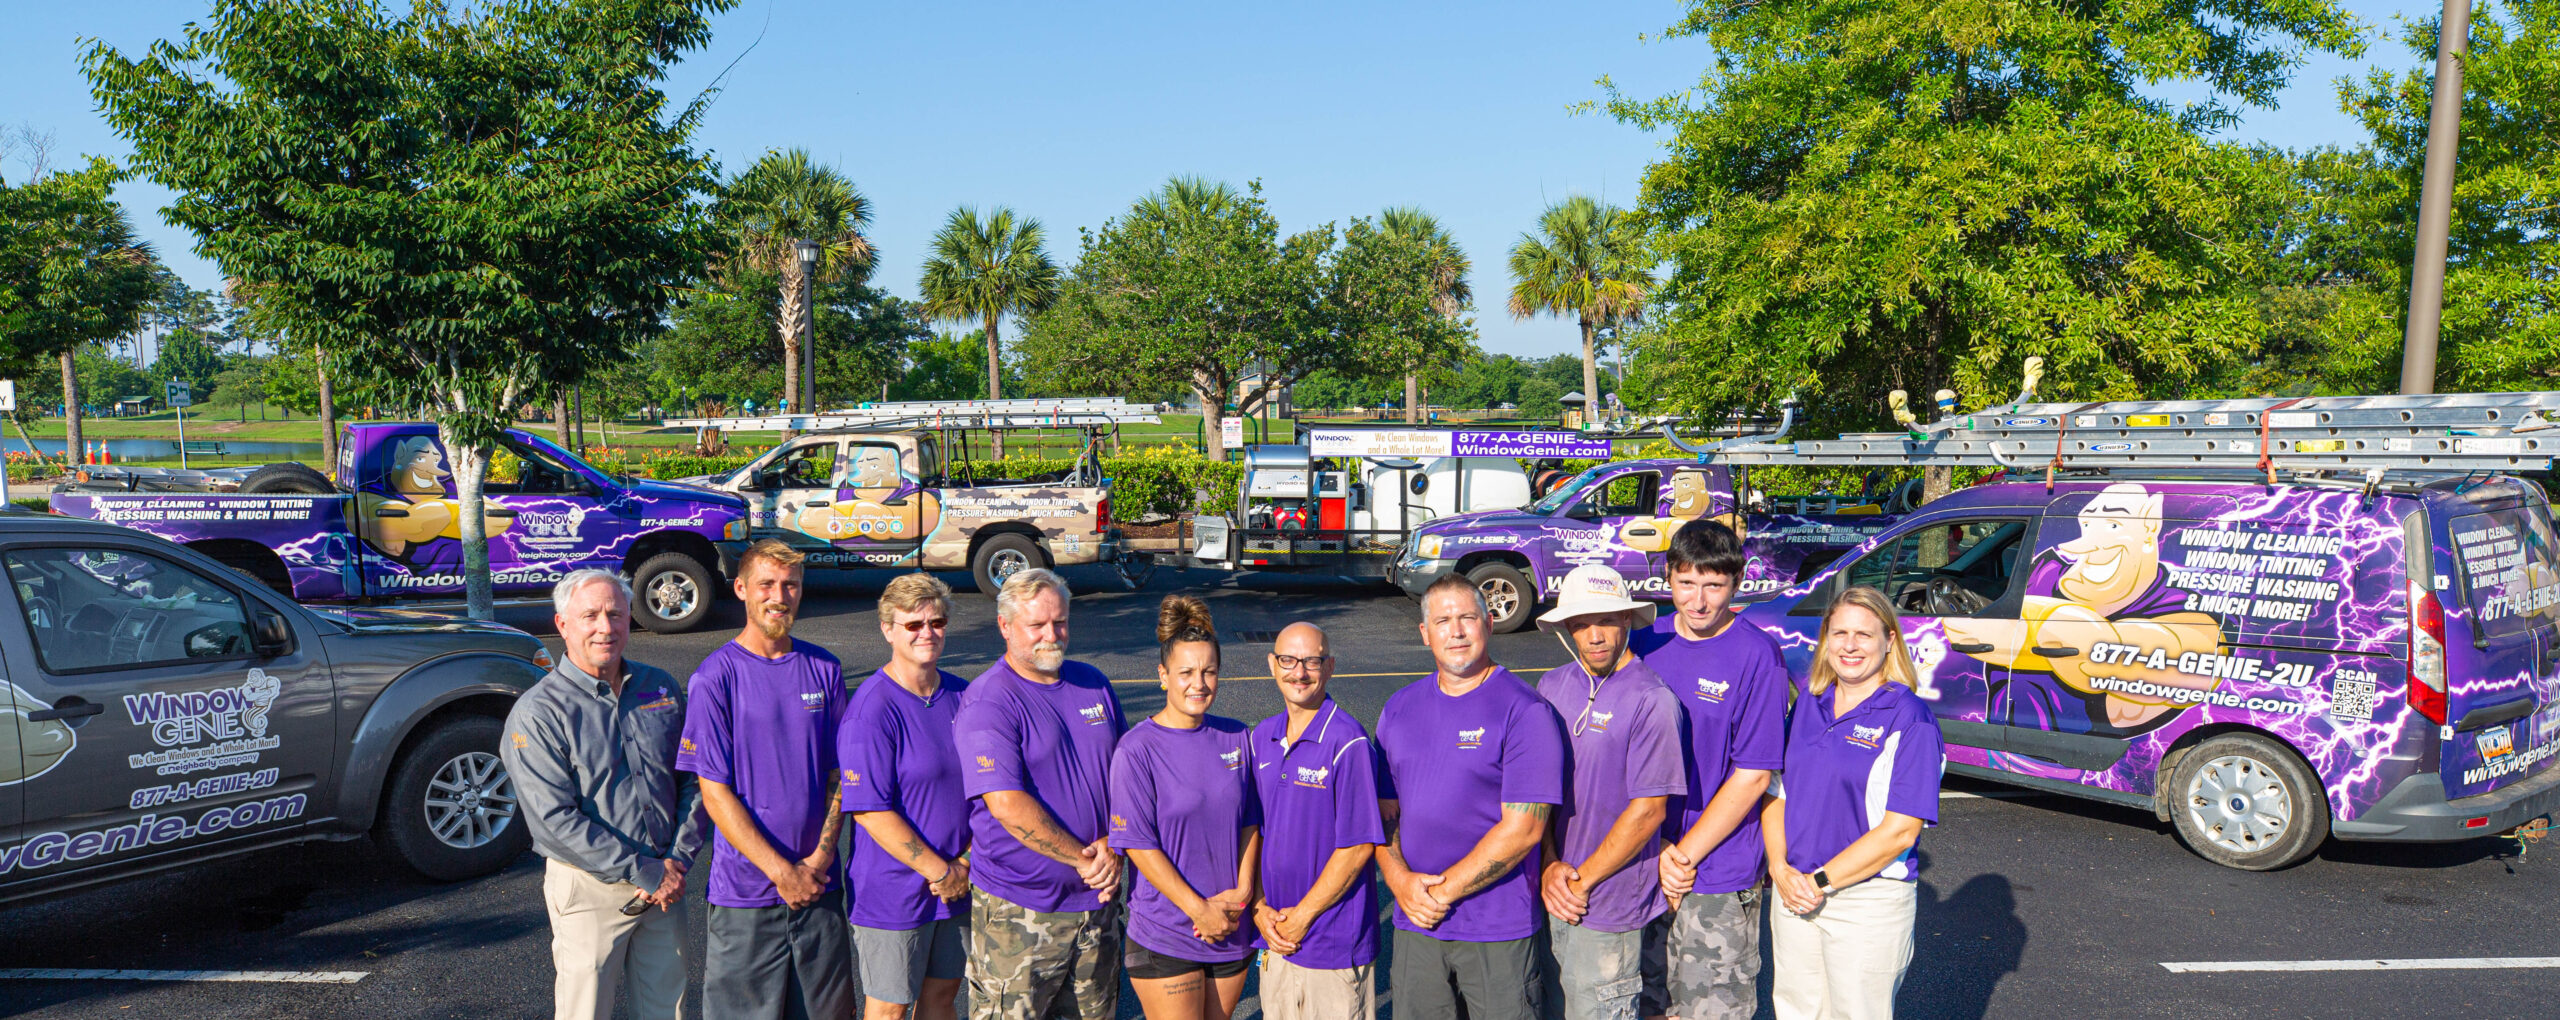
[
  {"x": 1493, "y": 871},
  {"x": 1538, "y": 811},
  {"x": 914, "y": 850}
]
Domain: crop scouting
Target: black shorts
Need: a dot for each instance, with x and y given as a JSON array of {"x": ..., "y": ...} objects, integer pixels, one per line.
[{"x": 1144, "y": 964}]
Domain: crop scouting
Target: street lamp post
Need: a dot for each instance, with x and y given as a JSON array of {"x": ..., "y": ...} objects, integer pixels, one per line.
[
  {"x": 2435, "y": 204},
  {"x": 808, "y": 252}
]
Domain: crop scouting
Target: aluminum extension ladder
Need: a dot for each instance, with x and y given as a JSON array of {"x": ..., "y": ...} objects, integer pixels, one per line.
[{"x": 1036, "y": 413}]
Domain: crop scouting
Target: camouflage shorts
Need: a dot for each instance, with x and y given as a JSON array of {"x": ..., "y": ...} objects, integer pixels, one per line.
[
  {"x": 1714, "y": 955},
  {"x": 1027, "y": 965}
]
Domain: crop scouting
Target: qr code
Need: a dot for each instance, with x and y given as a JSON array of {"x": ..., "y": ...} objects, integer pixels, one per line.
[{"x": 2351, "y": 699}]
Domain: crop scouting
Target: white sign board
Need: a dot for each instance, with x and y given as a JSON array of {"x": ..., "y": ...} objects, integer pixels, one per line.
[
  {"x": 8, "y": 394},
  {"x": 1380, "y": 442},
  {"x": 1231, "y": 431},
  {"x": 179, "y": 394}
]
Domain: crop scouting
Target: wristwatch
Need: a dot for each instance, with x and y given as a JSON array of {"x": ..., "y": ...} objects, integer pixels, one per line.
[{"x": 1822, "y": 881}]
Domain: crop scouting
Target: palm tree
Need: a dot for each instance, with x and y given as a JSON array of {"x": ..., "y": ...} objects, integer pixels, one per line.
[
  {"x": 983, "y": 267},
  {"x": 1449, "y": 291},
  {"x": 1184, "y": 196},
  {"x": 1590, "y": 263},
  {"x": 784, "y": 199}
]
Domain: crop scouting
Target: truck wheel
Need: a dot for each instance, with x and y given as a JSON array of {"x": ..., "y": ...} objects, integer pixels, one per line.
[
  {"x": 299, "y": 479},
  {"x": 1000, "y": 558},
  {"x": 672, "y": 593},
  {"x": 451, "y": 810},
  {"x": 1508, "y": 597},
  {"x": 2243, "y": 801}
]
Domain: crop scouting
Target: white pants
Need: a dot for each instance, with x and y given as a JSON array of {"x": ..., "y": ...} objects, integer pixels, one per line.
[
  {"x": 1845, "y": 960},
  {"x": 597, "y": 952},
  {"x": 1292, "y": 992}
]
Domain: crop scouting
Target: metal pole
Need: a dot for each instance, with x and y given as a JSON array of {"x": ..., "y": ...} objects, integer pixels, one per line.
[
  {"x": 809, "y": 336},
  {"x": 182, "y": 437},
  {"x": 2435, "y": 204}
]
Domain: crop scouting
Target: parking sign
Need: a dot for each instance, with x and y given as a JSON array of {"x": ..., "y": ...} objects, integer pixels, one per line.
[{"x": 179, "y": 394}]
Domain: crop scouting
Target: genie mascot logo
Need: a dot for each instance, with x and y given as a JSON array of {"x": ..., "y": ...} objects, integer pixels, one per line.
[
  {"x": 29, "y": 748},
  {"x": 2104, "y": 587},
  {"x": 878, "y": 500},
  {"x": 408, "y": 514}
]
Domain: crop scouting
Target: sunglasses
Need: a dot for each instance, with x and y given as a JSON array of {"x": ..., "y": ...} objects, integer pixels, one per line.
[{"x": 937, "y": 623}]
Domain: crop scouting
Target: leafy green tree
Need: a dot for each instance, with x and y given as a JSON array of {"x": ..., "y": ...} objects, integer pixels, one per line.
[
  {"x": 187, "y": 353},
  {"x": 1589, "y": 261},
  {"x": 72, "y": 274},
  {"x": 721, "y": 346},
  {"x": 469, "y": 206},
  {"x": 1451, "y": 296},
  {"x": 947, "y": 367},
  {"x": 1866, "y": 195},
  {"x": 242, "y": 383},
  {"x": 783, "y": 199}
]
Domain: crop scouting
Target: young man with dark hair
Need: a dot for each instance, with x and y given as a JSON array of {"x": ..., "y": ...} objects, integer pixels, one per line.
[{"x": 1733, "y": 688}]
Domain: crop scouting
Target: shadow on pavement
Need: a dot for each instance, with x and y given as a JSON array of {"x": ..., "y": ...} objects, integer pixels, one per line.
[{"x": 1965, "y": 942}]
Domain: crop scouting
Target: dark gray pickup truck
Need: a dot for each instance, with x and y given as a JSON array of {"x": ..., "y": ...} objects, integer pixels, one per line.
[{"x": 158, "y": 708}]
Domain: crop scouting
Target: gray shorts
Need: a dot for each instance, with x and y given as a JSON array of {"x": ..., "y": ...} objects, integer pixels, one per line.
[
  {"x": 895, "y": 964},
  {"x": 1435, "y": 979},
  {"x": 778, "y": 962},
  {"x": 1602, "y": 975}
]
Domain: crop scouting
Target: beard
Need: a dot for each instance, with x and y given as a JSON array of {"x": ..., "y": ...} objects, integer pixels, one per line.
[
  {"x": 771, "y": 626},
  {"x": 1048, "y": 656}
]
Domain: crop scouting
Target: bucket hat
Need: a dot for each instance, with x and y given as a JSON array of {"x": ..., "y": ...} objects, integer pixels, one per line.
[{"x": 1590, "y": 590}]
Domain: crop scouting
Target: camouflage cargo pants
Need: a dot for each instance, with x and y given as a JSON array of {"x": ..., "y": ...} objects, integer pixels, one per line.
[
  {"x": 1027, "y": 965},
  {"x": 1714, "y": 955}
]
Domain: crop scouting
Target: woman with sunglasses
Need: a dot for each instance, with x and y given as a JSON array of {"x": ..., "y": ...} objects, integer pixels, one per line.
[
  {"x": 1863, "y": 762},
  {"x": 1183, "y": 807},
  {"x": 902, "y": 784}
]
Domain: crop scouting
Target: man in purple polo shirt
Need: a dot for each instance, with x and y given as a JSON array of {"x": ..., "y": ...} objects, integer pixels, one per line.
[
  {"x": 1604, "y": 886},
  {"x": 1732, "y": 683},
  {"x": 762, "y": 738},
  {"x": 1315, "y": 768},
  {"x": 1035, "y": 733},
  {"x": 1474, "y": 766}
]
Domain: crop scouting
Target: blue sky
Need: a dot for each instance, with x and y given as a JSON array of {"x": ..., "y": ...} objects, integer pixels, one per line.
[{"x": 1067, "y": 112}]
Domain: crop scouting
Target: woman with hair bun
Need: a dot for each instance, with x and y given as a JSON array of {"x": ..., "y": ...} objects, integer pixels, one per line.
[{"x": 1183, "y": 808}]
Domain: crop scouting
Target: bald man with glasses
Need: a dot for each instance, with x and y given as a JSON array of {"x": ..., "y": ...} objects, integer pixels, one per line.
[{"x": 1316, "y": 772}]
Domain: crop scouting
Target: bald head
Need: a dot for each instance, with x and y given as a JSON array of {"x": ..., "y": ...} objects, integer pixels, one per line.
[
  {"x": 1302, "y": 663},
  {"x": 1302, "y": 639}
]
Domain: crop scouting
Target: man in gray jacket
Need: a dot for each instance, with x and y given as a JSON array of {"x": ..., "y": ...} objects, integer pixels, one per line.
[{"x": 591, "y": 750}]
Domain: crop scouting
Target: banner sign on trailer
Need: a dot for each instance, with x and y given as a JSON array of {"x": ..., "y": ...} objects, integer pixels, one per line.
[{"x": 1324, "y": 442}]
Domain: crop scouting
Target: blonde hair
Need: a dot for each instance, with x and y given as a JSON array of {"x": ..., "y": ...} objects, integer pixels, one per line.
[
  {"x": 911, "y": 592},
  {"x": 1897, "y": 652},
  {"x": 1026, "y": 585},
  {"x": 782, "y": 555}
]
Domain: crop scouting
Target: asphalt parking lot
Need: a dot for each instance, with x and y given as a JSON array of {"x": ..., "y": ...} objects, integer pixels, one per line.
[{"x": 2031, "y": 904}]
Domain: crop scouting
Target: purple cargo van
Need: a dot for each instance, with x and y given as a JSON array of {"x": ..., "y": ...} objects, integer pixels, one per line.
[{"x": 2263, "y": 666}]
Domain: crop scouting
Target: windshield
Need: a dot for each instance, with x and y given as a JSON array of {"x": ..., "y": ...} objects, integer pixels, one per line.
[{"x": 1564, "y": 494}]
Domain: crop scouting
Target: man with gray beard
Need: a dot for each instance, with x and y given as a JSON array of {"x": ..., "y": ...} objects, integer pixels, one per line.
[{"x": 1035, "y": 734}]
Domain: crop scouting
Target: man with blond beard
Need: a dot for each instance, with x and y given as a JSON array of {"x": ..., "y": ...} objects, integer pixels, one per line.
[
  {"x": 1035, "y": 733},
  {"x": 762, "y": 739}
]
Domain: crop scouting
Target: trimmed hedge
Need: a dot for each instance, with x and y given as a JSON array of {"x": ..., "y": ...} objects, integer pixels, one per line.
[{"x": 1152, "y": 480}]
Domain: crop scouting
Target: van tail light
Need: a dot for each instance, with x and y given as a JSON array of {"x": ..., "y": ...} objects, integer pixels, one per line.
[{"x": 2426, "y": 652}]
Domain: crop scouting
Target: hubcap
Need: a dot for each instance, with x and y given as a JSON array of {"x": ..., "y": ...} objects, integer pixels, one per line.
[
  {"x": 1501, "y": 599},
  {"x": 1006, "y": 563},
  {"x": 2240, "y": 804},
  {"x": 672, "y": 595},
  {"x": 470, "y": 800}
]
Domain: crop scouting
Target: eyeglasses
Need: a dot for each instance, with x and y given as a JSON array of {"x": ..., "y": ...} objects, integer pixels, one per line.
[
  {"x": 937, "y": 623},
  {"x": 1291, "y": 662}
]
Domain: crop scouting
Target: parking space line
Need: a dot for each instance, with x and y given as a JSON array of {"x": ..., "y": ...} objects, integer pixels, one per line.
[
  {"x": 2444, "y": 963},
  {"x": 289, "y": 977},
  {"x": 1523, "y": 674},
  {"x": 1991, "y": 794}
]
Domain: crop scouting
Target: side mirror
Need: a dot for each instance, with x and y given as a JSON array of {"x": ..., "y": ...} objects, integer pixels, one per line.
[
  {"x": 270, "y": 633},
  {"x": 1583, "y": 512}
]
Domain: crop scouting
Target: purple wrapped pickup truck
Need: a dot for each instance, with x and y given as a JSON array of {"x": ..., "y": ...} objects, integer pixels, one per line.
[{"x": 388, "y": 528}]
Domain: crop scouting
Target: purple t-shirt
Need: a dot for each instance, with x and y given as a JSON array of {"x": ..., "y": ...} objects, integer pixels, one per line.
[
  {"x": 766, "y": 729},
  {"x": 898, "y": 756},
  {"x": 1188, "y": 794},
  {"x": 1052, "y": 741},
  {"x": 1319, "y": 795},
  {"x": 1452, "y": 762},
  {"x": 1844, "y": 774},
  {"x": 1733, "y": 687},
  {"x": 1625, "y": 735}
]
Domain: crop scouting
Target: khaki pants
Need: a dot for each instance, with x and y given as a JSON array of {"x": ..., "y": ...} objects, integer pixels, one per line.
[
  {"x": 597, "y": 951},
  {"x": 1846, "y": 959},
  {"x": 1292, "y": 992}
]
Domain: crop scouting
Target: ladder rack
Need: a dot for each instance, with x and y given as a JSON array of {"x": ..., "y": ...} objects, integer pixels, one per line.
[
  {"x": 1073, "y": 412},
  {"x": 2437, "y": 434}
]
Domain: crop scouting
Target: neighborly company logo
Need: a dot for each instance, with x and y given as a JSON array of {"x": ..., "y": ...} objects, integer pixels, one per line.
[
  {"x": 1095, "y": 714},
  {"x": 1713, "y": 690},
  {"x": 1469, "y": 740},
  {"x": 230, "y": 723},
  {"x": 1600, "y": 721},
  {"x": 1314, "y": 777},
  {"x": 1866, "y": 736},
  {"x": 1233, "y": 759},
  {"x": 813, "y": 700}
]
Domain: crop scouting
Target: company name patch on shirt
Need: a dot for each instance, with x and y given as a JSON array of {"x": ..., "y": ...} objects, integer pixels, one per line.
[
  {"x": 1469, "y": 740},
  {"x": 1314, "y": 777},
  {"x": 1866, "y": 736},
  {"x": 1713, "y": 690},
  {"x": 1233, "y": 759},
  {"x": 663, "y": 702},
  {"x": 815, "y": 701},
  {"x": 1600, "y": 721},
  {"x": 1118, "y": 823},
  {"x": 853, "y": 779},
  {"x": 986, "y": 764},
  {"x": 1095, "y": 714}
]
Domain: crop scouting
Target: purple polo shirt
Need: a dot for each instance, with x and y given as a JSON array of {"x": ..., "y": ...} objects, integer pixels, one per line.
[
  {"x": 1452, "y": 762},
  {"x": 898, "y": 756},
  {"x": 1319, "y": 795},
  {"x": 1188, "y": 794},
  {"x": 1625, "y": 734},
  {"x": 1733, "y": 687},
  {"x": 1844, "y": 774},
  {"x": 766, "y": 729},
  {"x": 1052, "y": 741}
]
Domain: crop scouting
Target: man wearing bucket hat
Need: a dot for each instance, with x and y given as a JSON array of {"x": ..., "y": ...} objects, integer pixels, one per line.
[{"x": 1606, "y": 912}]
